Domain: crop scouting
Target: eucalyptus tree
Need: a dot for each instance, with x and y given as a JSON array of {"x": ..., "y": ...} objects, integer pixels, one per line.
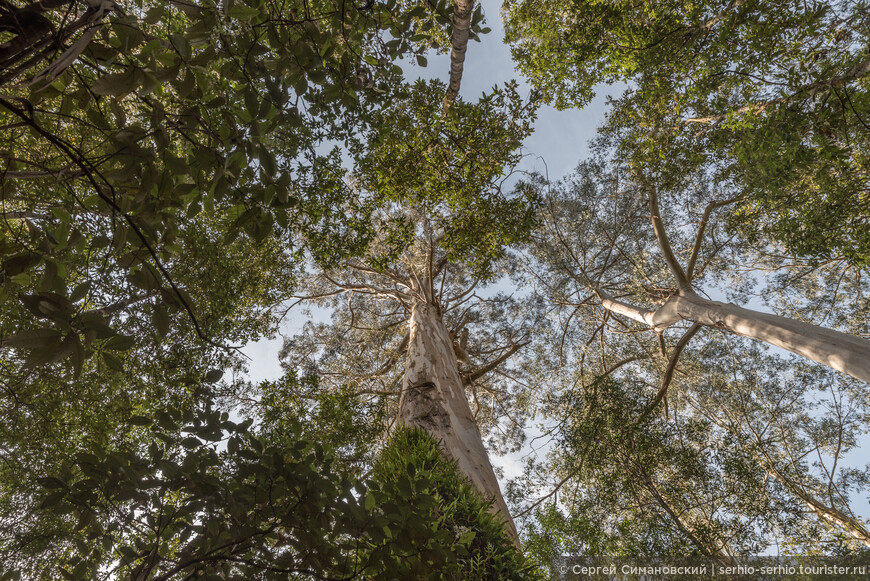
[
  {"x": 748, "y": 110},
  {"x": 752, "y": 455},
  {"x": 799, "y": 423},
  {"x": 614, "y": 487},
  {"x": 605, "y": 270},
  {"x": 603, "y": 251},
  {"x": 767, "y": 96},
  {"x": 407, "y": 314}
]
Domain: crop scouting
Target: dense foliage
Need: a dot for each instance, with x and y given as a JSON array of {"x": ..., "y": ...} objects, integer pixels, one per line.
[
  {"x": 175, "y": 178},
  {"x": 770, "y": 97},
  {"x": 207, "y": 497},
  {"x": 412, "y": 470}
]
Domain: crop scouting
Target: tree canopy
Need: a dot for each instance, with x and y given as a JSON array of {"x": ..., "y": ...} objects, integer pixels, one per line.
[
  {"x": 674, "y": 335},
  {"x": 770, "y": 97}
]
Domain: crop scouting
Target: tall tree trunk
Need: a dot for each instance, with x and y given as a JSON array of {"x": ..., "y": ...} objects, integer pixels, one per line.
[
  {"x": 845, "y": 353},
  {"x": 462, "y": 10},
  {"x": 433, "y": 398}
]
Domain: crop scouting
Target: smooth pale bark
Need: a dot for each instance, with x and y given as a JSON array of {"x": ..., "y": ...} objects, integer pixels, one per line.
[
  {"x": 433, "y": 398},
  {"x": 845, "y": 353}
]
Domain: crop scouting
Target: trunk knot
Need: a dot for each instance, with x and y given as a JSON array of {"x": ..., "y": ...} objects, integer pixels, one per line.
[{"x": 422, "y": 386}]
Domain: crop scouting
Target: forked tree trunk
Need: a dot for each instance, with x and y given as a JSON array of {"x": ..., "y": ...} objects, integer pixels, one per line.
[
  {"x": 845, "y": 353},
  {"x": 433, "y": 398}
]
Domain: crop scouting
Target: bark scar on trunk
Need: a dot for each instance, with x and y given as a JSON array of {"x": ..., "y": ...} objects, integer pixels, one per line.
[{"x": 427, "y": 410}]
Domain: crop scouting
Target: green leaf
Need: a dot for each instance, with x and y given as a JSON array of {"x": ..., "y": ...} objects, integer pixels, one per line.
[
  {"x": 80, "y": 291},
  {"x": 243, "y": 12},
  {"x": 78, "y": 355},
  {"x": 160, "y": 319},
  {"x": 115, "y": 84},
  {"x": 34, "y": 339},
  {"x": 120, "y": 343},
  {"x": 53, "y": 499},
  {"x": 112, "y": 362},
  {"x": 154, "y": 15},
  {"x": 52, "y": 482},
  {"x": 22, "y": 279}
]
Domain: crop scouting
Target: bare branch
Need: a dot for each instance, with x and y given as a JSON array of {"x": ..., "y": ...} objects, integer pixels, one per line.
[
  {"x": 481, "y": 371},
  {"x": 662, "y": 237},
  {"x": 394, "y": 356},
  {"x": 659, "y": 319},
  {"x": 555, "y": 490},
  {"x": 699, "y": 237},
  {"x": 370, "y": 289},
  {"x": 22, "y": 215},
  {"x": 669, "y": 372},
  {"x": 123, "y": 304}
]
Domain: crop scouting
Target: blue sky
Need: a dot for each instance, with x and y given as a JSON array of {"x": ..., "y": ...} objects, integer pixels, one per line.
[
  {"x": 557, "y": 144},
  {"x": 559, "y": 141}
]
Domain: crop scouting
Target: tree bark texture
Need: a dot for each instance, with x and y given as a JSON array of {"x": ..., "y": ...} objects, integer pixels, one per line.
[
  {"x": 462, "y": 10},
  {"x": 840, "y": 351},
  {"x": 433, "y": 398}
]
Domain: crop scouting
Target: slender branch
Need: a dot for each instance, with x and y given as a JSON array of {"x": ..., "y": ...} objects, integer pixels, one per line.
[
  {"x": 669, "y": 372},
  {"x": 664, "y": 243},
  {"x": 388, "y": 272},
  {"x": 394, "y": 356},
  {"x": 481, "y": 371},
  {"x": 346, "y": 286},
  {"x": 21, "y": 215},
  {"x": 462, "y": 294},
  {"x": 699, "y": 237},
  {"x": 681, "y": 523},
  {"x": 619, "y": 364},
  {"x": 26, "y": 175},
  {"x": 828, "y": 513},
  {"x": 532, "y": 506},
  {"x": 123, "y": 304}
]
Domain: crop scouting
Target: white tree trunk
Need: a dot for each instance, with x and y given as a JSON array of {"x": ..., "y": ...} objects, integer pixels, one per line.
[
  {"x": 433, "y": 398},
  {"x": 845, "y": 353}
]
